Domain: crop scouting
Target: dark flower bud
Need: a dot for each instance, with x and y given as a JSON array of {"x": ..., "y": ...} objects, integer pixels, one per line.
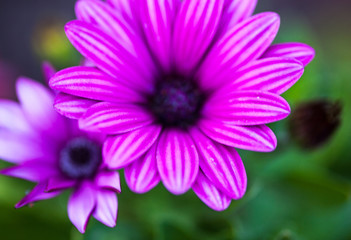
[{"x": 313, "y": 123}]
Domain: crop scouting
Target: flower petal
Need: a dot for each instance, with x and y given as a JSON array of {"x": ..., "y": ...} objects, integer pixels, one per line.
[
  {"x": 81, "y": 205},
  {"x": 131, "y": 66},
  {"x": 38, "y": 193},
  {"x": 142, "y": 174},
  {"x": 157, "y": 20},
  {"x": 34, "y": 171},
  {"x": 222, "y": 165},
  {"x": 121, "y": 150},
  {"x": 235, "y": 11},
  {"x": 106, "y": 207},
  {"x": 177, "y": 160},
  {"x": 209, "y": 193},
  {"x": 299, "y": 51},
  {"x": 12, "y": 117},
  {"x": 108, "y": 180},
  {"x": 275, "y": 75},
  {"x": 112, "y": 118},
  {"x": 71, "y": 106},
  {"x": 36, "y": 102},
  {"x": 194, "y": 29},
  {"x": 126, "y": 8},
  {"x": 48, "y": 71},
  {"x": 59, "y": 183},
  {"x": 246, "y": 108},
  {"x": 254, "y": 138},
  {"x": 242, "y": 44},
  {"x": 91, "y": 83}
]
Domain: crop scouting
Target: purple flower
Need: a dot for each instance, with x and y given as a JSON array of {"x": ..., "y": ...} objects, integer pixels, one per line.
[
  {"x": 51, "y": 151},
  {"x": 177, "y": 86}
]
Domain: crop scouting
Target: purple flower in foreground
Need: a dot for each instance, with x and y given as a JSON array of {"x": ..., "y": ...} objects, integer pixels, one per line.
[
  {"x": 51, "y": 151},
  {"x": 177, "y": 86}
]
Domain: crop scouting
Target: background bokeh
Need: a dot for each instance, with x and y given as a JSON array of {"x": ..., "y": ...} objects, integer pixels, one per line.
[{"x": 293, "y": 193}]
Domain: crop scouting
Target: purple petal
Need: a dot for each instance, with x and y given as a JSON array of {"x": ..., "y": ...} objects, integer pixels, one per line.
[
  {"x": 59, "y": 183},
  {"x": 12, "y": 117},
  {"x": 81, "y": 205},
  {"x": 37, "y": 104},
  {"x": 235, "y": 11},
  {"x": 106, "y": 207},
  {"x": 209, "y": 193},
  {"x": 71, "y": 106},
  {"x": 239, "y": 46},
  {"x": 177, "y": 160},
  {"x": 132, "y": 66},
  {"x": 112, "y": 118},
  {"x": 17, "y": 148},
  {"x": 121, "y": 150},
  {"x": 34, "y": 171},
  {"x": 126, "y": 8},
  {"x": 222, "y": 165},
  {"x": 254, "y": 138},
  {"x": 157, "y": 19},
  {"x": 299, "y": 51},
  {"x": 38, "y": 193},
  {"x": 142, "y": 174},
  {"x": 48, "y": 71},
  {"x": 247, "y": 108},
  {"x": 194, "y": 29},
  {"x": 275, "y": 75},
  {"x": 91, "y": 83},
  {"x": 108, "y": 180}
]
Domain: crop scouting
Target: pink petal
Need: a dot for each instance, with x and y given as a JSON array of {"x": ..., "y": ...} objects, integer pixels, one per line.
[
  {"x": 81, "y": 205},
  {"x": 126, "y": 8},
  {"x": 106, "y": 207},
  {"x": 34, "y": 171},
  {"x": 71, "y": 106},
  {"x": 158, "y": 19},
  {"x": 48, "y": 71},
  {"x": 254, "y": 138},
  {"x": 222, "y": 165},
  {"x": 12, "y": 117},
  {"x": 209, "y": 193},
  {"x": 274, "y": 75},
  {"x": 299, "y": 51},
  {"x": 177, "y": 160},
  {"x": 38, "y": 193},
  {"x": 235, "y": 11},
  {"x": 131, "y": 66},
  {"x": 247, "y": 108},
  {"x": 121, "y": 150},
  {"x": 194, "y": 29},
  {"x": 142, "y": 174},
  {"x": 37, "y": 104},
  {"x": 59, "y": 183},
  {"x": 112, "y": 118},
  {"x": 239, "y": 46},
  {"x": 91, "y": 83},
  {"x": 17, "y": 148},
  {"x": 108, "y": 180}
]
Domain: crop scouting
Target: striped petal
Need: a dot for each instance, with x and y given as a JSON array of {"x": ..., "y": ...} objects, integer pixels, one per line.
[
  {"x": 299, "y": 51},
  {"x": 106, "y": 207},
  {"x": 195, "y": 27},
  {"x": 91, "y": 83},
  {"x": 112, "y": 118},
  {"x": 210, "y": 194},
  {"x": 246, "y": 108},
  {"x": 254, "y": 138},
  {"x": 121, "y": 150},
  {"x": 177, "y": 160},
  {"x": 142, "y": 174},
  {"x": 126, "y": 8},
  {"x": 239, "y": 46},
  {"x": 71, "y": 106},
  {"x": 222, "y": 165}
]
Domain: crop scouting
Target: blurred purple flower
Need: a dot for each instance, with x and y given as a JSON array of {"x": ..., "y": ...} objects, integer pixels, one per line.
[
  {"x": 177, "y": 85},
  {"x": 51, "y": 150}
]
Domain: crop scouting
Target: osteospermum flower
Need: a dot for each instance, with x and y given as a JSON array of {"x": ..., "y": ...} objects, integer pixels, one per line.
[
  {"x": 50, "y": 150},
  {"x": 177, "y": 86}
]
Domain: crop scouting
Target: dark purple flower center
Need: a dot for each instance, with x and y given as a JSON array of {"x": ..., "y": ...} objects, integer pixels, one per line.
[
  {"x": 80, "y": 158},
  {"x": 176, "y": 102}
]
